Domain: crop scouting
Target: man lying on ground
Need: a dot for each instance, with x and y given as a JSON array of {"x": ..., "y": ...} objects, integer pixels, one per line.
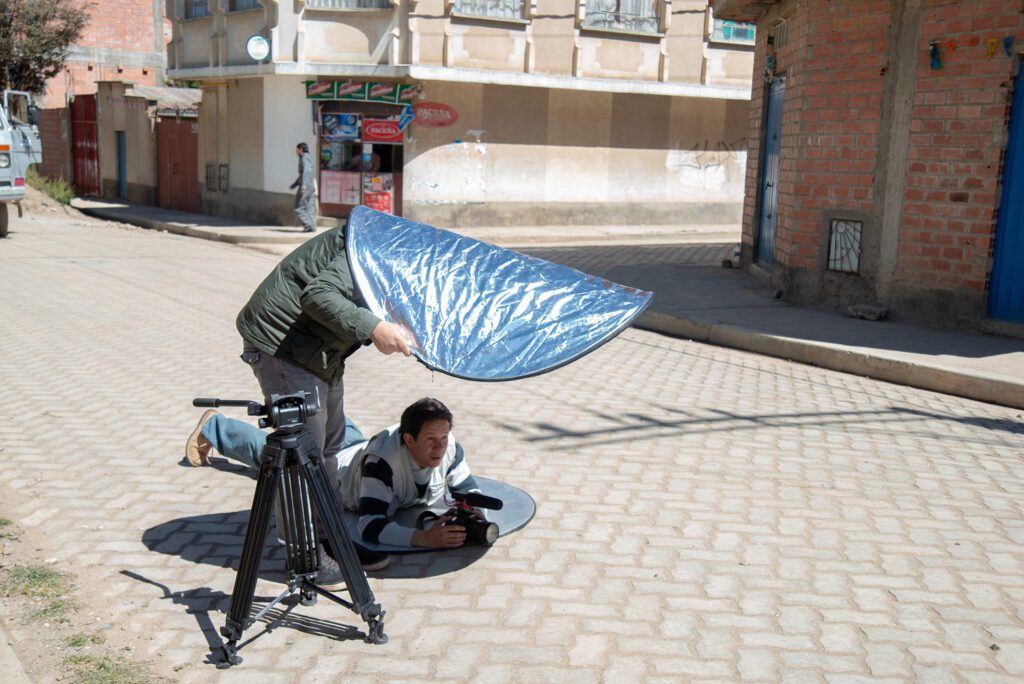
[{"x": 413, "y": 463}]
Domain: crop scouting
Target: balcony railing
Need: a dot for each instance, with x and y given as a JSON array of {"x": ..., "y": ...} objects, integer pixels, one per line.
[
  {"x": 733, "y": 32},
  {"x": 347, "y": 4},
  {"x": 493, "y": 9},
  {"x": 623, "y": 15}
]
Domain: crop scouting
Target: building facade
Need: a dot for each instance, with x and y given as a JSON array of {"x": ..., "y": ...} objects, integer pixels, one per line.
[
  {"x": 123, "y": 41},
  {"x": 472, "y": 112},
  {"x": 886, "y": 156}
]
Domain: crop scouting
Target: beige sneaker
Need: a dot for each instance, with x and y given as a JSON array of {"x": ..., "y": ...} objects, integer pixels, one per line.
[{"x": 197, "y": 448}]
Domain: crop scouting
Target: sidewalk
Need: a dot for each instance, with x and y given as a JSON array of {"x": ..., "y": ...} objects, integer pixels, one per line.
[{"x": 700, "y": 300}]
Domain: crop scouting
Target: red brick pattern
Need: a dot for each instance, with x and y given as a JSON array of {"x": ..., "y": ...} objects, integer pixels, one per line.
[
  {"x": 835, "y": 61},
  {"x": 957, "y": 143}
]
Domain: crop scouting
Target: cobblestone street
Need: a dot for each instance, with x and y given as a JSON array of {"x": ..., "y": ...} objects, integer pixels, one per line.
[{"x": 704, "y": 514}]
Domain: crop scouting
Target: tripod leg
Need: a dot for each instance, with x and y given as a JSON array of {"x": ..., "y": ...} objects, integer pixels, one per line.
[
  {"x": 363, "y": 600},
  {"x": 252, "y": 551}
]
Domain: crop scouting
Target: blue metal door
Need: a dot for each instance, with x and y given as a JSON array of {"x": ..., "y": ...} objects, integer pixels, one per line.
[
  {"x": 1006, "y": 289},
  {"x": 122, "y": 166},
  {"x": 768, "y": 204}
]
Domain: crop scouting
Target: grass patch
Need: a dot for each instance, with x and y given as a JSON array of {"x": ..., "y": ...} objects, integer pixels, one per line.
[
  {"x": 80, "y": 639},
  {"x": 44, "y": 585},
  {"x": 58, "y": 190},
  {"x": 106, "y": 669},
  {"x": 4, "y": 522}
]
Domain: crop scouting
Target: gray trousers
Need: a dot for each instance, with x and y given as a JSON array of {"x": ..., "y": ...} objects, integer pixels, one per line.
[
  {"x": 305, "y": 209},
  {"x": 328, "y": 425}
]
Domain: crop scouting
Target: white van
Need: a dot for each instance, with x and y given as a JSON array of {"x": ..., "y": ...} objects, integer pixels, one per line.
[{"x": 19, "y": 147}]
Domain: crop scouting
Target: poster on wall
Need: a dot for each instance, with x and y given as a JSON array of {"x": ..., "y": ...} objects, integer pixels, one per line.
[
  {"x": 339, "y": 127},
  {"x": 340, "y": 187},
  {"x": 381, "y": 201}
]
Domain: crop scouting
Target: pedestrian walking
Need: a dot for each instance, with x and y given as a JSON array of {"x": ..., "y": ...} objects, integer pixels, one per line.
[{"x": 305, "y": 190}]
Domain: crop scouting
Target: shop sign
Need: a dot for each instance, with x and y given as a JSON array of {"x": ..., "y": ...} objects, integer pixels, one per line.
[
  {"x": 406, "y": 118},
  {"x": 320, "y": 90},
  {"x": 381, "y": 130},
  {"x": 351, "y": 91},
  {"x": 434, "y": 114}
]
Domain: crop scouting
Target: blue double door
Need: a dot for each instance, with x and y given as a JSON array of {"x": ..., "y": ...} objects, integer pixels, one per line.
[{"x": 1006, "y": 285}]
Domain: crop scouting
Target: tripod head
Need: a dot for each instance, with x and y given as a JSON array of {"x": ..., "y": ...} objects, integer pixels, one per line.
[{"x": 282, "y": 411}]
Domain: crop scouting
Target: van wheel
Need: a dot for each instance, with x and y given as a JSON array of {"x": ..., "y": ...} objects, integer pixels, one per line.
[{"x": 3, "y": 219}]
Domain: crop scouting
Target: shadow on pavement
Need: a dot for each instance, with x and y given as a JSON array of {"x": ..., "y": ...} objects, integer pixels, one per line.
[
  {"x": 635, "y": 426},
  {"x": 204, "y": 600},
  {"x": 216, "y": 539}
]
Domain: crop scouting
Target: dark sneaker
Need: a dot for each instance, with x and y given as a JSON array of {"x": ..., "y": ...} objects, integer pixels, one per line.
[
  {"x": 329, "y": 573},
  {"x": 372, "y": 560}
]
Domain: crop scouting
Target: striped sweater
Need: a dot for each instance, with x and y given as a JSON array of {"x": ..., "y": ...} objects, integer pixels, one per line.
[{"x": 382, "y": 478}]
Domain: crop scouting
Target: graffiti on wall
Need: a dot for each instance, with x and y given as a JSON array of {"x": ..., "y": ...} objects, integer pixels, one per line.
[{"x": 709, "y": 165}]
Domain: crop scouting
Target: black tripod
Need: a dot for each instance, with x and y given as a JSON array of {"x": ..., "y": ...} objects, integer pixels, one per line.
[{"x": 291, "y": 465}]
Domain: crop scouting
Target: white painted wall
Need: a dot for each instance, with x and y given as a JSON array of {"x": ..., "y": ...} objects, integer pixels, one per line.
[{"x": 287, "y": 121}]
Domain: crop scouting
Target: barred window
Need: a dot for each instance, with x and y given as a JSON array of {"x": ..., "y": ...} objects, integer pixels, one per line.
[
  {"x": 239, "y": 5},
  {"x": 624, "y": 15},
  {"x": 196, "y": 8},
  {"x": 347, "y": 4},
  {"x": 732, "y": 32},
  {"x": 496, "y": 9}
]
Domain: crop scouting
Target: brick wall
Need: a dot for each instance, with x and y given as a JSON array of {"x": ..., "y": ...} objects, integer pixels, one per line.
[
  {"x": 957, "y": 142},
  {"x": 124, "y": 26},
  {"x": 836, "y": 60}
]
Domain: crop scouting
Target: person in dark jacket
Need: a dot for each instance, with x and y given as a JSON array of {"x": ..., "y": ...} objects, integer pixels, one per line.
[
  {"x": 305, "y": 190},
  {"x": 300, "y": 325}
]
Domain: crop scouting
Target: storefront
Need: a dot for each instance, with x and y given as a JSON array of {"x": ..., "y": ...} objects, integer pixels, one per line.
[{"x": 360, "y": 134}]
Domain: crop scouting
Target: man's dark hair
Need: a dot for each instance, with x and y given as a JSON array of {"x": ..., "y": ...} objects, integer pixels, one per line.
[
  {"x": 304, "y": 147},
  {"x": 419, "y": 413}
]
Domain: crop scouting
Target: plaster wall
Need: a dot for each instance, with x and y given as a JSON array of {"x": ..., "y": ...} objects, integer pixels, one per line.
[{"x": 115, "y": 112}]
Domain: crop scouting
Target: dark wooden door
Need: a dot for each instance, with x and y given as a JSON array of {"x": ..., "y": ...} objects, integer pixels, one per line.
[
  {"x": 85, "y": 158},
  {"x": 177, "y": 163}
]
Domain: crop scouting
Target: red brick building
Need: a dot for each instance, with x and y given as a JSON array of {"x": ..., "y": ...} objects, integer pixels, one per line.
[
  {"x": 878, "y": 162},
  {"x": 123, "y": 41}
]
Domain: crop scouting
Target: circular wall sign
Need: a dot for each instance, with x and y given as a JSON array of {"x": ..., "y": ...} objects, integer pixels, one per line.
[{"x": 257, "y": 47}]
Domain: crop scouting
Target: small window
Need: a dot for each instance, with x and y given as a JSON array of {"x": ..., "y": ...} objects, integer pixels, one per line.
[
  {"x": 844, "y": 245},
  {"x": 196, "y": 8},
  {"x": 494, "y": 9},
  {"x": 348, "y": 4},
  {"x": 623, "y": 15},
  {"x": 732, "y": 32},
  {"x": 239, "y": 5}
]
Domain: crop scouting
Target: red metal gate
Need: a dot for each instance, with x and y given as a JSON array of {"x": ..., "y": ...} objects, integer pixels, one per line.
[
  {"x": 85, "y": 162},
  {"x": 177, "y": 163}
]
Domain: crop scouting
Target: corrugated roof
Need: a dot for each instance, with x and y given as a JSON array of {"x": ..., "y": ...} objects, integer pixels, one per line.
[{"x": 178, "y": 99}]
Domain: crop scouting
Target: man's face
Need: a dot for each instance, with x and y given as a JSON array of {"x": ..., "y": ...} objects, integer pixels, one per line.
[
  {"x": 429, "y": 446},
  {"x": 298, "y": 151}
]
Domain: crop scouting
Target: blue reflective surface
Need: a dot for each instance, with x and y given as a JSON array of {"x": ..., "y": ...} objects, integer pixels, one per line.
[{"x": 478, "y": 311}]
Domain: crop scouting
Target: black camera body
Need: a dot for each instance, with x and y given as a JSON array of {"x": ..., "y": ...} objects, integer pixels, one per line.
[{"x": 478, "y": 531}]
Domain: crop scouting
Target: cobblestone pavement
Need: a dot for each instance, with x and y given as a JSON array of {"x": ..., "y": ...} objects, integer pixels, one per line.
[{"x": 703, "y": 514}]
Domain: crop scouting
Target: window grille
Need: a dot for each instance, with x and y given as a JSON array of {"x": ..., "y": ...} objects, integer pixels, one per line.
[
  {"x": 495, "y": 9},
  {"x": 624, "y": 15},
  {"x": 347, "y": 4},
  {"x": 732, "y": 32},
  {"x": 196, "y": 8},
  {"x": 844, "y": 245},
  {"x": 239, "y": 5}
]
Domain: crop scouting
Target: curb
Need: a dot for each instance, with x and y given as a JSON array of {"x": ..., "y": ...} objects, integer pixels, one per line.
[
  {"x": 14, "y": 673},
  {"x": 977, "y": 386},
  {"x": 189, "y": 230}
]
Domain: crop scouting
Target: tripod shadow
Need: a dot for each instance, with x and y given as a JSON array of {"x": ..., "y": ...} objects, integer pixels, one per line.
[
  {"x": 216, "y": 539},
  {"x": 202, "y": 601}
]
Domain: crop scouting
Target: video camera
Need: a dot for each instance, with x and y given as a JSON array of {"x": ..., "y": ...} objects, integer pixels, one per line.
[
  {"x": 477, "y": 531},
  {"x": 281, "y": 412}
]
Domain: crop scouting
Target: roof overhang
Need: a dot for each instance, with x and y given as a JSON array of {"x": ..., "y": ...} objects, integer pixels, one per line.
[
  {"x": 747, "y": 11},
  {"x": 313, "y": 71}
]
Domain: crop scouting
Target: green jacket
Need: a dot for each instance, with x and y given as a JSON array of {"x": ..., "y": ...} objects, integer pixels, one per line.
[{"x": 308, "y": 311}]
